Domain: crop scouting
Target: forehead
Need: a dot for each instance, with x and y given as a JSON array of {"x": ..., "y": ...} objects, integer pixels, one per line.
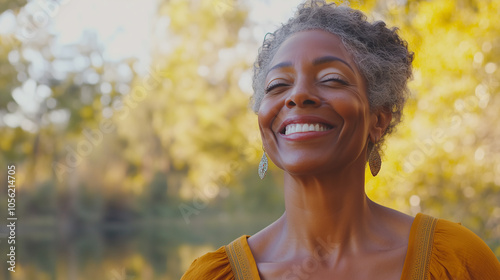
[{"x": 310, "y": 44}]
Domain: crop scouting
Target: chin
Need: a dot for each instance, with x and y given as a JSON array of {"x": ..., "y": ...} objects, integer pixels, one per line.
[{"x": 305, "y": 167}]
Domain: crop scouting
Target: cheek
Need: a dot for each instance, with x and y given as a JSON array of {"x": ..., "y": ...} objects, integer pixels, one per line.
[
  {"x": 268, "y": 111},
  {"x": 265, "y": 118},
  {"x": 350, "y": 107}
]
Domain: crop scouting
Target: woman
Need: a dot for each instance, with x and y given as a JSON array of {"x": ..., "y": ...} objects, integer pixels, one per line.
[{"x": 329, "y": 86}]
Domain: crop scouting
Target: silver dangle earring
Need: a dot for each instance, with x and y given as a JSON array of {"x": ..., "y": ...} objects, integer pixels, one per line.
[{"x": 263, "y": 166}]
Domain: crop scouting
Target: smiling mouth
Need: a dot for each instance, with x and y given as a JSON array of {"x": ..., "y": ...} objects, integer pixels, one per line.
[{"x": 304, "y": 127}]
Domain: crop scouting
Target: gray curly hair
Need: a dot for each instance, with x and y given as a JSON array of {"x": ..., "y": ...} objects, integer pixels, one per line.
[{"x": 380, "y": 54}]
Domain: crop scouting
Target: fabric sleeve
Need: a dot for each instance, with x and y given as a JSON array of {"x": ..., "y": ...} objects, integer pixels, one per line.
[
  {"x": 214, "y": 265},
  {"x": 458, "y": 253}
]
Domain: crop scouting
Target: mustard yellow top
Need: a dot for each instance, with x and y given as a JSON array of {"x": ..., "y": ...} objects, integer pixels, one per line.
[{"x": 437, "y": 249}]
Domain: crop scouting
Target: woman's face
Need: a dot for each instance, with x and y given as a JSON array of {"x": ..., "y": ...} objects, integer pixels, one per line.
[{"x": 315, "y": 116}]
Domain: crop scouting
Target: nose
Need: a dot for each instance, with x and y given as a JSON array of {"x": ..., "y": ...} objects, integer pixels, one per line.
[{"x": 302, "y": 96}]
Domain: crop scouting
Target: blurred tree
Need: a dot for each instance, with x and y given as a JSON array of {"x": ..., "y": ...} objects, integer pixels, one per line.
[
  {"x": 445, "y": 158},
  {"x": 145, "y": 140},
  {"x": 198, "y": 119}
]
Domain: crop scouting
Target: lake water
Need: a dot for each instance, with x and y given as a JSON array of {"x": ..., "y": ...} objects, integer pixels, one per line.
[{"x": 147, "y": 251}]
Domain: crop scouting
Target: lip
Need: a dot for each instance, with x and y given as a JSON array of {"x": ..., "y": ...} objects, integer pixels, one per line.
[
  {"x": 304, "y": 119},
  {"x": 303, "y": 136}
]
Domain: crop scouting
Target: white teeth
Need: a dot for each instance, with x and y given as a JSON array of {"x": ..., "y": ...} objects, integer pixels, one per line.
[{"x": 297, "y": 127}]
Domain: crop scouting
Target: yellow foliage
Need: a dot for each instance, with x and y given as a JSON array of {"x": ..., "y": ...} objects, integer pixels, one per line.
[
  {"x": 448, "y": 135},
  {"x": 188, "y": 119}
]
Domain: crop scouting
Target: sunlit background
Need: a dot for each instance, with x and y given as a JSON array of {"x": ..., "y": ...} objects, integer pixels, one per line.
[{"x": 136, "y": 151}]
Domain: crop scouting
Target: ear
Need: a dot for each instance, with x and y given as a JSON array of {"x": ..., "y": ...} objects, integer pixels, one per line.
[{"x": 380, "y": 120}]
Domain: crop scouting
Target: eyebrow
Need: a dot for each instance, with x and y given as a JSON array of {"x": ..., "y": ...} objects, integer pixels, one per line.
[
  {"x": 317, "y": 61},
  {"x": 279, "y": 65},
  {"x": 326, "y": 59}
]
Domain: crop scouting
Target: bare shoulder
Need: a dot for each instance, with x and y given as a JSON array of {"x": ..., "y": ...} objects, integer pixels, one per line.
[
  {"x": 397, "y": 222},
  {"x": 264, "y": 241},
  {"x": 395, "y": 215}
]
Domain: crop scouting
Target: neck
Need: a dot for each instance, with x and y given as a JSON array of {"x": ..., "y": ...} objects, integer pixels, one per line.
[{"x": 331, "y": 208}]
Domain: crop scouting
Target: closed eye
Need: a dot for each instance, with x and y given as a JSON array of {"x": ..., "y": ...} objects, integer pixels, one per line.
[
  {"x": 274, "y": 85},
  {"x": 334, "y": 78}
]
